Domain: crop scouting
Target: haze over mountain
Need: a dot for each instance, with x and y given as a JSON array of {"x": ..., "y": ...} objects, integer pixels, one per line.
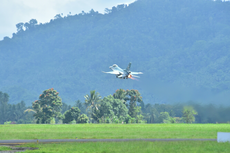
[{"x": 181, "y": 46}]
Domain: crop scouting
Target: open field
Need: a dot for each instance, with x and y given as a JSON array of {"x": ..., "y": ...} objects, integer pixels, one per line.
[
  {"x": 119, "y": 131},
  {"x": 111, "y": 131},
  {"x": 2, "y": 148},
  {"x": 131, "y": 147}
]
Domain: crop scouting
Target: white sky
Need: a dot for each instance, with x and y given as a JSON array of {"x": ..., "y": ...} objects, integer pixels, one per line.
[{"x": 16, "y": 11}]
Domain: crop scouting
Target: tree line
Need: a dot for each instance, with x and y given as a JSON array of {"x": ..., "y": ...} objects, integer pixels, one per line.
[
  {"x": 13, "y": 112},
  {"x": 124, "y": 106}
]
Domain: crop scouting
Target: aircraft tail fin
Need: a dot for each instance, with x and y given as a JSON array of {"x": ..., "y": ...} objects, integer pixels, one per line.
[{"x": 127, "y": 69}]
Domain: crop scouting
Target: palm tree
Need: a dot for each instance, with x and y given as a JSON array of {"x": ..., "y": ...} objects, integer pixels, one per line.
[
  {"x": 120, "y": 94},
  {"x": 92, "y": 101}
]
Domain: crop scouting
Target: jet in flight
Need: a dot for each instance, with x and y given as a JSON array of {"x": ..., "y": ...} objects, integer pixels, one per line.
[{"x": 123, "y": 73}]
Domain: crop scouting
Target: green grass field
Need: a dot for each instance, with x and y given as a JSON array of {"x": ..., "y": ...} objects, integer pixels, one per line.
[
  {"x": 3, "y": 148},
  {"x": 111, "y": 131},
  {"x": 119, "y": 131},
  {"x": 133, "y": 147}
]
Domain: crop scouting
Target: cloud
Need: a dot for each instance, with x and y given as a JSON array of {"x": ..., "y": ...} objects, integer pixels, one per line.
[{"x": 15, "y": 11}]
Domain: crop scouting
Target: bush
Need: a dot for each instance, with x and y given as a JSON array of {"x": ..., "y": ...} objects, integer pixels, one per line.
[
  {"x": 71, "y": 115},
  {"x": 7, "y": 122},
  {"x": 164, "y": 117},
  {"x": 139, "y": 118},
  {"x": 115, "y": 120},
  {"x": 52, "y": 121},
  {"x": 83, "y": 119},
  {"x": 128, "y": 119},
  {"x": 133, "y": 120},
  {"x": 108, "y": 120},
  {"x": 73, "y": 122}
]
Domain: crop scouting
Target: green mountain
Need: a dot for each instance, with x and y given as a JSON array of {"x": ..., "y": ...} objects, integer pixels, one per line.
[{"x": 181, "y": 46}]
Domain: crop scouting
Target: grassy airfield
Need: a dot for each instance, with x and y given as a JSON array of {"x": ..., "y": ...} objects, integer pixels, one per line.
[
  {"x": 3, "y": 148},
  {"x": 133, "y": 147},
  {"x": 119, "y": 131},
  {"x": 111, "y": 131}
]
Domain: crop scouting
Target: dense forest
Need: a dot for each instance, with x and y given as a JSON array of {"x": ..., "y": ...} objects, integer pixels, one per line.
[{"x": 181, "y": 46}]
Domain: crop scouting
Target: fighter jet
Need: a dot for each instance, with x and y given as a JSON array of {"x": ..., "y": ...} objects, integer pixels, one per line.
[{"x": 123, "y": 73}]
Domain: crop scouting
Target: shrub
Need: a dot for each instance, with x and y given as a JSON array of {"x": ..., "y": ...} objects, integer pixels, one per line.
[{"x": 83, "y": 119}]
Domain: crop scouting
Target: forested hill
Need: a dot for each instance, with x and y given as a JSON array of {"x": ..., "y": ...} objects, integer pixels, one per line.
[{"x": 181, "y": 46}]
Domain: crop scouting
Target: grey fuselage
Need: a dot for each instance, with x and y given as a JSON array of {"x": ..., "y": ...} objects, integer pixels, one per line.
[{"x": 123, "y": 73}]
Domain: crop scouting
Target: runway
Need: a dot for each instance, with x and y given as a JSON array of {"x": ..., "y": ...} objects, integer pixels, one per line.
[{"x": 8, "y": 142}]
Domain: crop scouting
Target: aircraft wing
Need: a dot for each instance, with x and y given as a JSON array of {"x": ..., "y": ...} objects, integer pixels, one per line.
[
  {"x": 136, "y": 73},
  {"x": 113, "y": 72}
]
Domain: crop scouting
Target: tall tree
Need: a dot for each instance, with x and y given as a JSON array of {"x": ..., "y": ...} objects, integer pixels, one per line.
[
  {"x": 188, "y": 114},
  {"x": 15, "y": 111},
  {"x": 48, "y": 106},
  {"x": 133, "y": 96},
  {"x": 111, "y": 108},
  {"x": 72, "y": 114},
  {"x": 80, "y": 105},
  {"x": 164, "y": 117},
  {"x": 151, "y": 114},
  {"x": 65, "y": 107},
  {"x": 32, "y": 23},
  {"x": 92, "y": 101},
  {"x": 20, "y": 27},
  {"x": 4, "y": 98},
  {"x": 120, "y": 94}
]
